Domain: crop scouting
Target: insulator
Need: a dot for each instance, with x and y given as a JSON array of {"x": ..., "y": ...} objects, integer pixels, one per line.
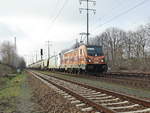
[{"x": 80, "y": 12}]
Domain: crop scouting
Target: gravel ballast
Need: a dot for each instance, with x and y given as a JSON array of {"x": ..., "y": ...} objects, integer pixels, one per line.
[
  {"x": 49, "y": 100},
  {"x": 141, "y": 93}
]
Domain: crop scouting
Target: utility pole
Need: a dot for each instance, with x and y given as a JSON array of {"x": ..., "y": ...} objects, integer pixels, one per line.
[
  {"x": 87, "y": 22},
  {"x": 36, "y": 55},
  {"x": 55, "y": 57},
  {"x": 87, "y": 10},
  {"x": 15, "y": 43},
  {"x": 48, "y": 48},
  {"x": 14, "y": 56}
]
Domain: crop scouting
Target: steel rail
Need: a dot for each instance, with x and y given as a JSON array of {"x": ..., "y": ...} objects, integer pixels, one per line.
[
  {"x": 85, "y": 100},
  {"x": 116, "y": 94},
  {"x": 130, "y": 81},
  {"x": 129, "y": 74}
]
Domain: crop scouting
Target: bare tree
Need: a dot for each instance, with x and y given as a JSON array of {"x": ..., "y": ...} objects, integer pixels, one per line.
[
  {"x": 127, "y": 49},
  {"x": 9, "y": 55}
]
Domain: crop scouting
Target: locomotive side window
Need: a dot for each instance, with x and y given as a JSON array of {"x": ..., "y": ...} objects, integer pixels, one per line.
[{"x": 80, "y": 51}]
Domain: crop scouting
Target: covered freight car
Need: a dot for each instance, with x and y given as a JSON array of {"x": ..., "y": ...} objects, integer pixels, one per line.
[
  {"x": 54, "y": 63},
  {"x": 37, "y": 65}
]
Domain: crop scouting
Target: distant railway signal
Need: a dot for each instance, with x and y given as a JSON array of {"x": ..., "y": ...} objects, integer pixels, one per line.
[{"x": 41, "y": 54}]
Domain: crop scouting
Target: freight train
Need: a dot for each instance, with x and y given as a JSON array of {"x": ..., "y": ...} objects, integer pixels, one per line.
[{"x": 83, "y": 59}]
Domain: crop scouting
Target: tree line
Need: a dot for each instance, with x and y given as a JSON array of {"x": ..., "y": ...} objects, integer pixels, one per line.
[
  {"x": 126, "y": 50},
  {"x": 10, "y": 57}
]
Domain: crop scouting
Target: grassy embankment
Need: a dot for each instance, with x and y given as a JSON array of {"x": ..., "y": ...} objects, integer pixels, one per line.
[{"x": 10, "y": 90}]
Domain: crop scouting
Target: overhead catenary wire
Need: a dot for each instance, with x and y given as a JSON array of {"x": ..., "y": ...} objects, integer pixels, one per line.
[
  {"x": 53, "y": 20},
  {"x": 55, "y": 17},
  {"x": 122, "y": 13},
  {"x": 59, "y": 12},
  {"x": 110, "y": 13},
  {"x": 56, "y": 5},
  {"x": 119, "y": 4}
]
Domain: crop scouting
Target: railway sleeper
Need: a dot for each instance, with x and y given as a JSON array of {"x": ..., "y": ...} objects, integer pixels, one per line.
[
  {"x": 138, "y": 111},
  {"x": 115, "y": 103},
  {"x": 124, "y": 107},
  {"x": 105, "y": 101}
]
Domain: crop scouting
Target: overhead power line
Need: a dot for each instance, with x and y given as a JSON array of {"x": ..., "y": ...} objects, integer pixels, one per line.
[
  {"x": 60, "y": 11},
  {"x": 123, "y": 13},
  {"x": 57, "y": 15},
  {"x": 56, "y": 6}
]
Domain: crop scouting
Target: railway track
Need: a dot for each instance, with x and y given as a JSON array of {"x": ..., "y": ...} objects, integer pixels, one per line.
[
  {"x": 142, "y": 75},
  {"x": 127, "y": 80},
  {"x": 94, "y": 100},
  {"x": 130, "y": 81}
]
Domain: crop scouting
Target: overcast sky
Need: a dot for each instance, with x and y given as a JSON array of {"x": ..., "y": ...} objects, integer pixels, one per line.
[{"x": 34, "y": 22}]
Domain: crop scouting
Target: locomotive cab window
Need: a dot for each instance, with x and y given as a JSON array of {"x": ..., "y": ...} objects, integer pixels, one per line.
[{"x": 94, "y": 50}]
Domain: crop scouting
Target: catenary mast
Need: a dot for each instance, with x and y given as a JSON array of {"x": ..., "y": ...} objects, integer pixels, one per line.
[{"x": 87, "y": 9}]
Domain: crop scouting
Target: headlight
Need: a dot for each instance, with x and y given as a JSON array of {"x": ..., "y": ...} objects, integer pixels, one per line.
[
  {"x": 103, "y": 60},
  {"x": 88, "y": 60}
]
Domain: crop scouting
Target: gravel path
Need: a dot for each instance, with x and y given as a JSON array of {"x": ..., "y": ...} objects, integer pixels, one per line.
[{"x": 26, "y": 102}]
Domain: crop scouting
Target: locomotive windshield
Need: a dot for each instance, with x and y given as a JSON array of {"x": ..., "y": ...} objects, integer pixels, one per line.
[{"x": 94, "y": 50}]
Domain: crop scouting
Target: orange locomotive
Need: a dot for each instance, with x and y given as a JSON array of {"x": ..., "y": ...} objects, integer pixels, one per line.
[{"x": 83, "y": 59}]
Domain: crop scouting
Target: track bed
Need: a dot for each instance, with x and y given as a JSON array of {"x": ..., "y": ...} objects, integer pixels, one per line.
[{"x": 92, "y": 99}]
